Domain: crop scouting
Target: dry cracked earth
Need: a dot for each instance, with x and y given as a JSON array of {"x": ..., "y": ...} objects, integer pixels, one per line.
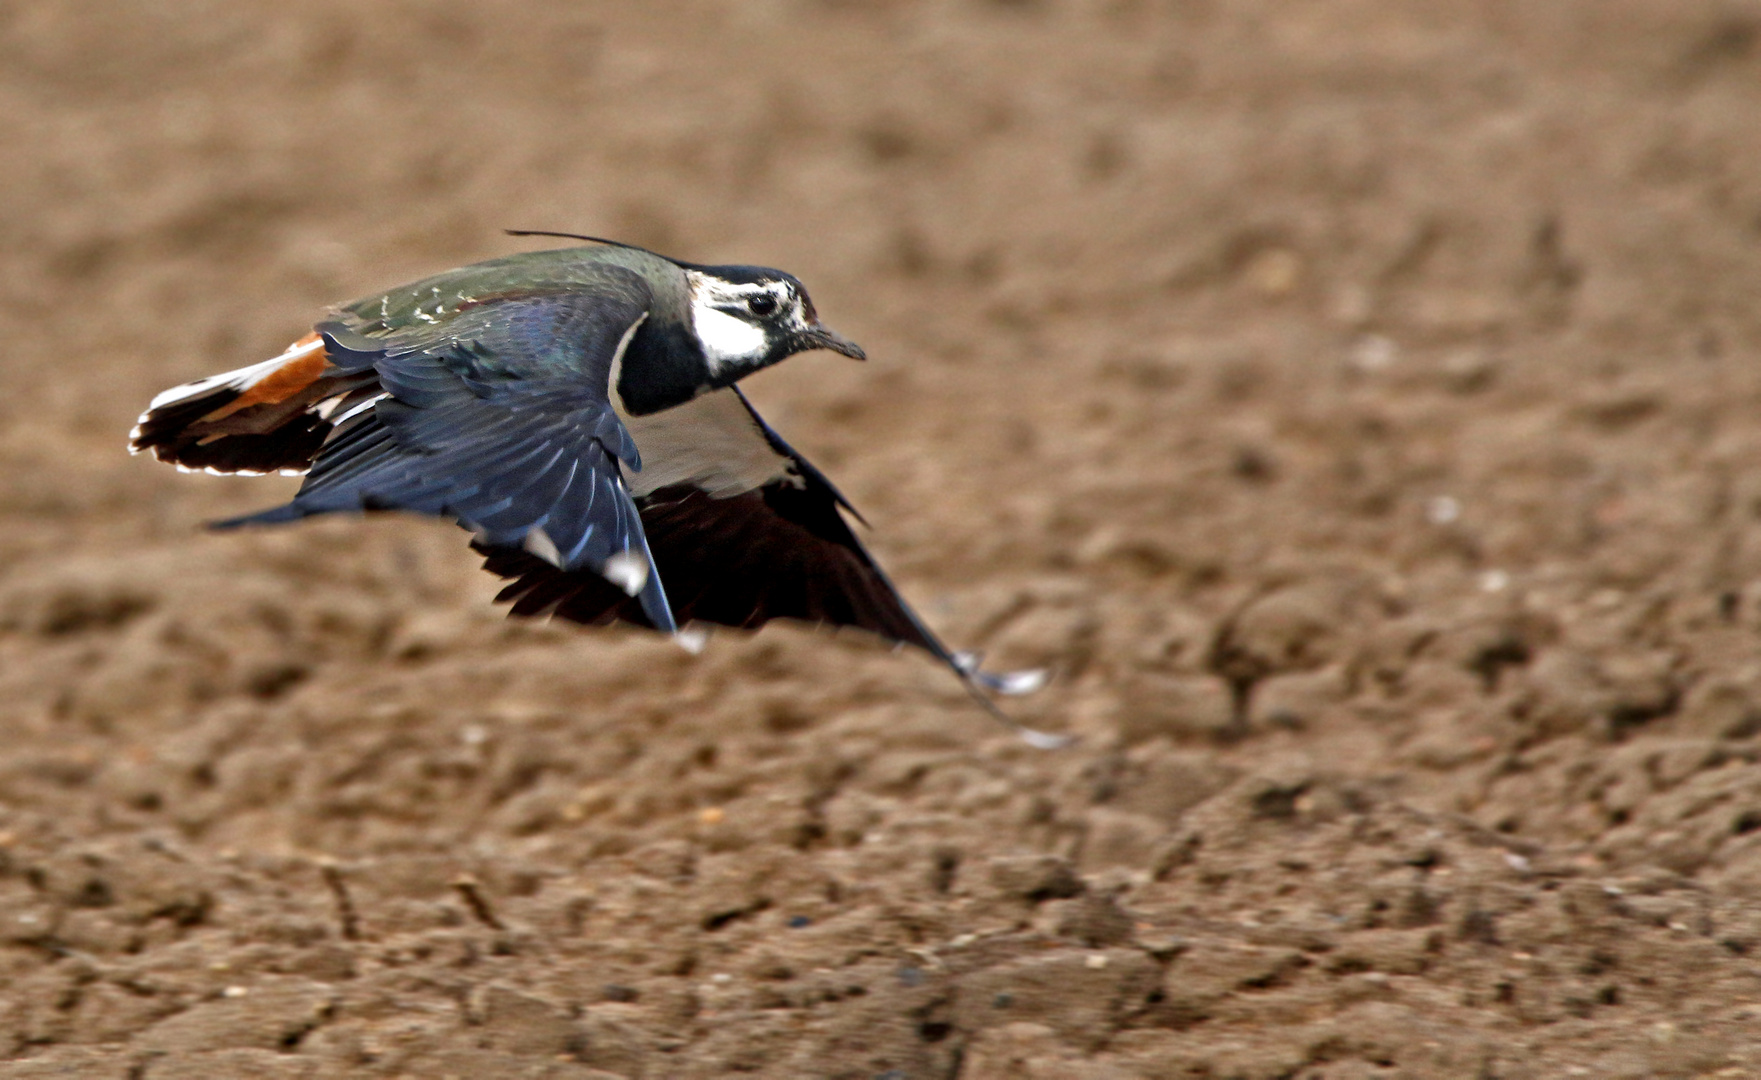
[{"x": 1353, "y": 403}]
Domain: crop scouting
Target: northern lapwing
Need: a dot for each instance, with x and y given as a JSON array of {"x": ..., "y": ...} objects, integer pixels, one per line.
[{"x": 577, "y": 410}]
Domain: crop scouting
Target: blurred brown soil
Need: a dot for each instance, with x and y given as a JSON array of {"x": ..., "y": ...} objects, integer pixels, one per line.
[{"x": 1355, "y": 403}]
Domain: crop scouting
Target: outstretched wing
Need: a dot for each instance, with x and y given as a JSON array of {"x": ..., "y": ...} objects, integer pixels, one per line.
[
  {"x": 743, "y": 530},
  {"x": 496, "y": 413}
]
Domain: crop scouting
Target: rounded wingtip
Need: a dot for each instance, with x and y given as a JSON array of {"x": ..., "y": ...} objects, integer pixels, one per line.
[
  {"x": 1019, "y": 682},
  {"x": 1016, "y": 683},
  {"x": 1045, "y": 740},
  {"x": 1006, "y": 683}
]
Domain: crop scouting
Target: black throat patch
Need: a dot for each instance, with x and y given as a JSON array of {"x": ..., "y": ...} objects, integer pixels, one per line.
[{"x": 663, "y": 366}]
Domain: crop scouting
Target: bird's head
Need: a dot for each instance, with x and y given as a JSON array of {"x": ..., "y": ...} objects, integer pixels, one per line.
[{"x": 750, "y": 317}]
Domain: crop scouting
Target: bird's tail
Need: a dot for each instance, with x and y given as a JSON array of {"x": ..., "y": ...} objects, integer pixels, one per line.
[{"x": 268, "y": 417}]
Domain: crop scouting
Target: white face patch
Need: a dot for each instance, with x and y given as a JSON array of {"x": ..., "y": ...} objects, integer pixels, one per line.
[
  {"x": 721, "y": 314},
  {"x": 727, "y": 339}
]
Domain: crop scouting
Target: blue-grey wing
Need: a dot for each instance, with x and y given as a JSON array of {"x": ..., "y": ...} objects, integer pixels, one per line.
[{"x": 499, "y": 417}]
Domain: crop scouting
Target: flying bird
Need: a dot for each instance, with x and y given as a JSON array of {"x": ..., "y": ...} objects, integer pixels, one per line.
[{"x": 578, "y": 411}]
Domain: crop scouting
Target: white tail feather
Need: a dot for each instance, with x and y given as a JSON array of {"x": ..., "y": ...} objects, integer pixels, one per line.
[{"x": 241, "y": 380}]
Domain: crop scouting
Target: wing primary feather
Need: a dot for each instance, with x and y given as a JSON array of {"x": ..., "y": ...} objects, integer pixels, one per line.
[{"x": 1034, "y": 737}]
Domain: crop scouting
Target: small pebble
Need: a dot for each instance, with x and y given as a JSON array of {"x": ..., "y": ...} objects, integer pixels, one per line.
[
  {"x": 1373, "y": 353},
  {"x": 1443, "y": 510}
]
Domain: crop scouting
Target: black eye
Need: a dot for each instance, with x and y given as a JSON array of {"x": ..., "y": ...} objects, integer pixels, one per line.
[{"x": 762, "y": 305}]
